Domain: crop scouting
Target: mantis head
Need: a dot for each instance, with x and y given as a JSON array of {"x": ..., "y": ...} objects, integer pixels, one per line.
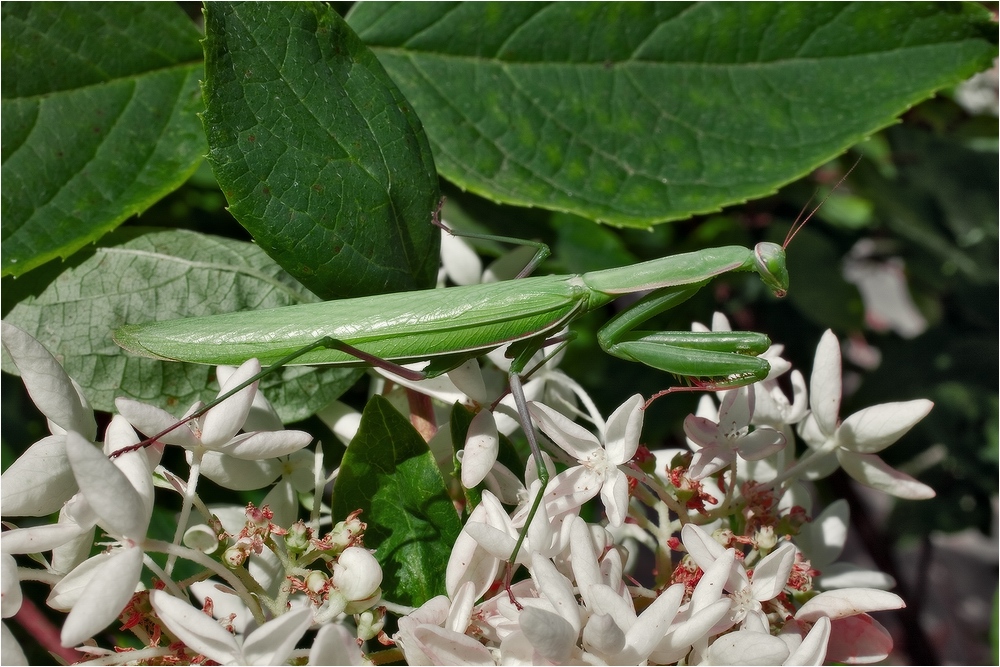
[
  {"x": 769, "y": 258},
  {"x": 769, "y": 261}
]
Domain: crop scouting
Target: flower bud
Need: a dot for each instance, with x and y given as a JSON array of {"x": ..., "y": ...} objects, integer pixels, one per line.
[
  {"x": 234, "y": 557},
  {"x": 357, "y": 574},
  {"x": 765, "y": 539},
  {"x": 297, "y": 539},
  {"x": 370, "y": 623},
  {"x": 346, "y": 532},
  {"x": 316, "y": 581}
]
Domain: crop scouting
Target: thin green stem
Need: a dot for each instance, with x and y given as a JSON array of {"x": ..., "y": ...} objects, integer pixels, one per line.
[
  {"x": 189, "y": 495},
  {"x": 229, "y": 576}
]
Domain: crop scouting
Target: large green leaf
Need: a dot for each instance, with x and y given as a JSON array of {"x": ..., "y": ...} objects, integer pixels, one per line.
[
  {"x": 319, "y": 154},
  {"x": 636, "y": 113},
  {"x": 139, "y": 275},
  {"x": 389, "y": 473},
  {"x": 99, "y": 104}
]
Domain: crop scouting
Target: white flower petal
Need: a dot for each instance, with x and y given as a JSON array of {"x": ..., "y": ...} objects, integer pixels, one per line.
[
  {"x": 736, "y": 410},
  {"x": 239, "y": 474},
  {"x": 335, "y": 645},
  {"x": 262, "y": 417},
  {"x": 468, "y": 378},
  {"x": 39, "y": 481},
  {"x": 623, "y": 430},
  {"x": 259, "y": 445},
  {"x": 570, "y": 489},
  {"x": 225, "y": 603},
  {"x": 195, "y": 628},
  {"x": 812, "y": 649},
  {"x": 459, "y": 260},
  {"x": 677, "y": 642},
  {"x": 10, "y": 595},
  {"x": 586, "y": 571},
  {"x": 444, "y": 647},
  {"x": 603, "y": 636},
  {"x": 709, "y": 460},
  {"x": 872, "y": 471},
  {"x": 652, "y": 624},
  {"x": 713, "y": 582},
  {"x": 482, "y": 445},
  {"x": 550, "y": 635},
  {"x": 461, "y": 608},
  {"x": 701, "y": 430},
  {"x": 342, "y": 419},
  {"x": 747, "y": 648},
  {"x": 283, "y": 502},
  {"x": 573, "y": 438},
  {"x": 68, "y": 591},
  {"x": 858, "y": 640},
  {"x": 602, "y": 599},
  {"x": 614, "y": 495},
  {"x": 771, "y": 574},
  {"x": 272, "y": 643},
  {"x": 825, "y": 383},
  {"x": 38, "y": 538},
  {"x": 800, "y": 400},
  {"x": 109, "y": 492},
  {"x": 847, "y": 602},
  {"x": 760, "y": 444},
  {"x": 134, "y": 465},
  {"x": 557, "y": 589},
  {"x": 504, "y": 484},
  {"x": 151, "y": 420},
  {"x": 700, "y": 545},
  {"x": 10, "y": 651},
  {"x": 496, "y": 542},
  {"x": 469, "y": 562},
  {"x": 225, "y": 420},
  {"x": 109, "y": 589},
  {"x": 873, "y": 429},
  {"x": 824, "y": 537},
  {"x": 51, "y": 390}
]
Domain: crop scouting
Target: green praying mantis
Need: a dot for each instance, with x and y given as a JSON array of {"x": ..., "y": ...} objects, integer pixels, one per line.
[{"x": 449, "y": 326}]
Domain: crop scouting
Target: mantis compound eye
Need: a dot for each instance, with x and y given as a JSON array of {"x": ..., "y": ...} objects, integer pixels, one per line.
[{"x": 769, "y": 259}]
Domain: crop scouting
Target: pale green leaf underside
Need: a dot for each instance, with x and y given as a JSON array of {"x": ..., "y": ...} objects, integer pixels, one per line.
[
  {"x": 140, "y": 277},
  {"x": 636, "y": 113},
  {"x": 99, "y": 120}
]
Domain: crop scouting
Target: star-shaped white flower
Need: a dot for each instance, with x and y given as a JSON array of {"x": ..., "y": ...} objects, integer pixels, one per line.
[
  {"x": 856, "y": 441},
  {"x": 746, "y": 591},
  {"x": 40, "y": 480},
  {"x": 229, "y": 458},
  {"x": 117, "y": 495},
  {"x": 269, "y": 644},
  {"x": 598, "y": 470},
  {"x": 721, "y": 441}
]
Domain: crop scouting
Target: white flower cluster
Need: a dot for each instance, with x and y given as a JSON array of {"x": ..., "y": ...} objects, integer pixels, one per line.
[
  {"x": 750, "y": 598},
  {"x": 246, "y": 615},
  {"x": 743, "y": 574},
  {"x": 743, "y": 598}
]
